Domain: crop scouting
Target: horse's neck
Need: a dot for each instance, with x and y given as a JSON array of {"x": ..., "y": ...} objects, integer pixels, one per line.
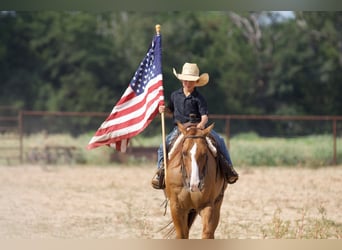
[{"x": 175, "y": 146}]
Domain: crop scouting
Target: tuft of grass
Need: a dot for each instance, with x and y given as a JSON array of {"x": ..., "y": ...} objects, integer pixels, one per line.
[{"x": 302, "y": 228}]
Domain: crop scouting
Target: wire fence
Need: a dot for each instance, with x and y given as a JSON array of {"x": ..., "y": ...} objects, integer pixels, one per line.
[{"x": 22, "y": 124}]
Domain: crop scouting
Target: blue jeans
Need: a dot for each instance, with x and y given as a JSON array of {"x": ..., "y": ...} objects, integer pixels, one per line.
[
  {"x": 168, "y": 140},
  {"x": 220, "y": 141}
]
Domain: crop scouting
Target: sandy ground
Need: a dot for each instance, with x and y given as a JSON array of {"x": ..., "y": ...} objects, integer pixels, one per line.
[{"x": 117, "y": 202}]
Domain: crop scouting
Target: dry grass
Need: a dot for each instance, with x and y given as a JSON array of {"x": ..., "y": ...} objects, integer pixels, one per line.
[
  {"x": 246, "y": 149},
  {"x": 118, "y": 202}
]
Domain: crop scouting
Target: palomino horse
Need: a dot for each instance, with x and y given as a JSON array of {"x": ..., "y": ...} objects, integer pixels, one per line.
[{"x": 194, "y": 184}]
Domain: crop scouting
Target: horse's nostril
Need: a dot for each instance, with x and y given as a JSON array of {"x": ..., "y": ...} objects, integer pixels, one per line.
[
  {"x": 194, "y": 188},
  {"x": 200, "y": 186}
]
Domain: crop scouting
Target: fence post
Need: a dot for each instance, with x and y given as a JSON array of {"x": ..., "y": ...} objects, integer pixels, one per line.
[
  {"x": 21, "y": 134},
  {"x": 334, "y": 135},
  {"x": 227, "y": 131}
]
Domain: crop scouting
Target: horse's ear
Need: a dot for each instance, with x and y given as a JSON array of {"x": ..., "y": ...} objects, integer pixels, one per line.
[
  {"x": 181, "y": 128},
  {"x": 209, "y": 128}
]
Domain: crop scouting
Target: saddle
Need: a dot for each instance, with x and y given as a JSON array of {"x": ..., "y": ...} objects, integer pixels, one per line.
[{"x": 213, "y": 145}]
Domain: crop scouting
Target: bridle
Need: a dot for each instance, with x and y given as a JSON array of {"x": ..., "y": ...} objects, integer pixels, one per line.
[{"x": 186, "y": 181}]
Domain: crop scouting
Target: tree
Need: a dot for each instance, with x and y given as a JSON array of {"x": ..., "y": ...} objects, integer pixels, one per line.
[
  {"x": 258, "y": 63},
  {"x": 18, "y": 64}
]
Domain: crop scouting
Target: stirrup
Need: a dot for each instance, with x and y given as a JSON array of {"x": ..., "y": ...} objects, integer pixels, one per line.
[{"x": 158, "y": 180}]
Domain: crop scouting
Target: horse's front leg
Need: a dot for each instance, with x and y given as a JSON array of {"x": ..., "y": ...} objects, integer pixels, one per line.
[
  {"x": 180, "y": 221},
  {"x": 210, "y": 219}
]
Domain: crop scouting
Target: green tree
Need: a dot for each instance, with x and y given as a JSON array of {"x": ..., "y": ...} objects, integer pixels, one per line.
[
  {"x": 18, "y": 64},
  {"x": 75, "y": 61},
  {"x": 258, "y": 63}
]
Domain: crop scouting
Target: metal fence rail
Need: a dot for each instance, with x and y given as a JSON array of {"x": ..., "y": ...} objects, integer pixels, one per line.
[
  {"x": 333, "y": 120},
  {"x": 227, "y": 119}
]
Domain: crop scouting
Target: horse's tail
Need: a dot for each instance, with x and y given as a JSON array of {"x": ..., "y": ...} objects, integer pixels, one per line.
[{"x": 171, "y": 231}]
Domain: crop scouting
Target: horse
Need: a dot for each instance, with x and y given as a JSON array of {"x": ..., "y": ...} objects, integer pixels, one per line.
[{"x": 194, "y": 184}]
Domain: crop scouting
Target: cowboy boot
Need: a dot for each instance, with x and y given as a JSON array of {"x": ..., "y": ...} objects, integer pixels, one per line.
[
  {"x": 229, "y": 172},
  {"x": 158, "y": 181}
]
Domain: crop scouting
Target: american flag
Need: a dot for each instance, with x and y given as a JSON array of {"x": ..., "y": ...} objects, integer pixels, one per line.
[{"x": 138, "y": 105}]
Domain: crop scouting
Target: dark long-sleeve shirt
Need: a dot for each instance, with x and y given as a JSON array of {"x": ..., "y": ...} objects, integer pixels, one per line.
[{"x": 182, "y": 106}]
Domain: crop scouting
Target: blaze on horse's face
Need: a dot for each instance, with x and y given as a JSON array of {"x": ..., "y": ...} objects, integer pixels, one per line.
[{"x": 194, "y": 156}]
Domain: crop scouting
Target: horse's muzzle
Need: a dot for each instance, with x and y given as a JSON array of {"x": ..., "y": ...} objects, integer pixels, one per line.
[{"x": 196, "y": 187}]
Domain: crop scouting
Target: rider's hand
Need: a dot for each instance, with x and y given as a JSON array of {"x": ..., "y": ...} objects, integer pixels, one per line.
[
  {"x": 161, "y": 109},
  {"x": 200, "y": 125}
]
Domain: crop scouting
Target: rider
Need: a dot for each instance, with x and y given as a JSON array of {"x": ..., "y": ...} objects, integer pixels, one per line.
[{"x": 188, "y": 101}]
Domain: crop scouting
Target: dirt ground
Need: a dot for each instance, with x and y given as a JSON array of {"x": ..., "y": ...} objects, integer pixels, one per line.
[{"x": 117, "y": 202}]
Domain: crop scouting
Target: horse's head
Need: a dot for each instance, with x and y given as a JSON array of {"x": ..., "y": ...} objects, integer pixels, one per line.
[{"x": 194, "y": 155}]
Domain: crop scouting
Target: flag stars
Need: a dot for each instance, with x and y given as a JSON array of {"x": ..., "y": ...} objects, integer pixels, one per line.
[{"x": 148, "y": 69}]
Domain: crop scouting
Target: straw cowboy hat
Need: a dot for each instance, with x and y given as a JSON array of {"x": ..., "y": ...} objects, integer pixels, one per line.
[{"x": 190, "y": 72}]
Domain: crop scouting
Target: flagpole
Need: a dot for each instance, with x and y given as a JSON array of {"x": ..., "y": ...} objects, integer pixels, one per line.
[
  {"x": 163, "y": 122},
  {"x": 164, "y": 141}
]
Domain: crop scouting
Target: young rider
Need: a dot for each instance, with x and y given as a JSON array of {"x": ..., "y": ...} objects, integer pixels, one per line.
[{"x": 188, "y": 105}]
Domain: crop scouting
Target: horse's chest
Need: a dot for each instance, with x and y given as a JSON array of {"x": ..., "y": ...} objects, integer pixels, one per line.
[{"x": 193, "y": 200}]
